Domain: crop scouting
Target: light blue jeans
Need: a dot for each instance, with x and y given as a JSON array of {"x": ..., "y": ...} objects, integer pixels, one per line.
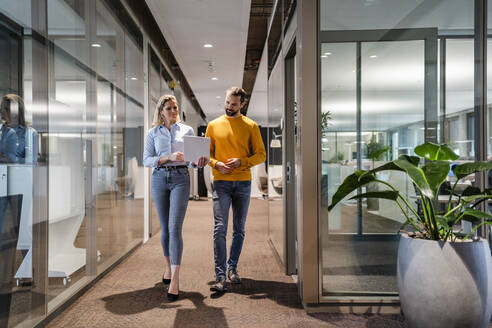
[
  {"x": 227, "y": 193},
  {"x": 171, "y": 191}
]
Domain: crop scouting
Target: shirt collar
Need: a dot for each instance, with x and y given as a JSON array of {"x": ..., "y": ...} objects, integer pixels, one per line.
[{"x": 162, "y": 126}]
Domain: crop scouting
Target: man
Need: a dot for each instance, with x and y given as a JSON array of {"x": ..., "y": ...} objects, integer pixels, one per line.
[{"x": 235, "y": 146}]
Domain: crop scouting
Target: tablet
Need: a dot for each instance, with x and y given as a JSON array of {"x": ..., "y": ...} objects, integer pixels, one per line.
[{"x": 196, "y": 147}]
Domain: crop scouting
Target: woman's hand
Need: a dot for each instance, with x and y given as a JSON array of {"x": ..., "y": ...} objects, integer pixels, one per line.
[
  {"x": 176, "y": 157},
  {"x": 202, "y": 161}
]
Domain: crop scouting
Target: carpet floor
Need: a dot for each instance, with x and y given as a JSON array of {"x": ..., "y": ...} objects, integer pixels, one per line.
[{"x": 132, "y": 294}]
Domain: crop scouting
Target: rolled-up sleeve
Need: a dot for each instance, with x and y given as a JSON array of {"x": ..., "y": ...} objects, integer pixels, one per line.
[{"x": 150, "y": 158}]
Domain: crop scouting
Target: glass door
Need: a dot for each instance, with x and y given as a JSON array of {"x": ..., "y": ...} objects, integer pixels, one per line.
[{"x": 378, "y": 101}]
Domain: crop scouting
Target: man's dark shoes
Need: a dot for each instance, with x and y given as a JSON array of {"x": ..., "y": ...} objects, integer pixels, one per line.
[
  {"x": 233, "y": 276},
  {"x": 172, "y": 297},
  {"x": 220, "y": 285},
  {"x": 166, "y": 281}
]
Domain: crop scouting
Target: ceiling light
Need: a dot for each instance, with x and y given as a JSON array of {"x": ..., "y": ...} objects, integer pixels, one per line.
[
  {"x": 324, "y": 56},
  {"x": 214, "y": 78},
  {"x": 134, "y": 78},
  {"x": 96, "y": 45},
  {"x": 373, "y": 56},
  {"x": 327, "y": 53},
  {"x": 208, "y": 45}
]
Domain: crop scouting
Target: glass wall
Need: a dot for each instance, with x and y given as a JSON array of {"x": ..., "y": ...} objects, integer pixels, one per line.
[
  {"x": 23, "y": 166},
  {"x": 276, "y": 219},
  {"x": 393, "y": 74},
  {"x": 71, "y": 150}
]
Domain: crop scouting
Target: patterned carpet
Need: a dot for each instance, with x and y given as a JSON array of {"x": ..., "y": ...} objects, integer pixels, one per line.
[{"x": 132, "y": 295}]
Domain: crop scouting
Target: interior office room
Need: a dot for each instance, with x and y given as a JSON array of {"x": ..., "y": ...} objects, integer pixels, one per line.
[{"x": 334, "y": 86}]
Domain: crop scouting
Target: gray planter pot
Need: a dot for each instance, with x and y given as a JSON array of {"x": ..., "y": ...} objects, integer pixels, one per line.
[{"x": 445, "y": 284}]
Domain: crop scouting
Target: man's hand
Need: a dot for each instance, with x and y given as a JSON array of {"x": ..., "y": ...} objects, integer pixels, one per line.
[
  {"x": 233, "y": 162},
  {"x": 223, "y": 168}
]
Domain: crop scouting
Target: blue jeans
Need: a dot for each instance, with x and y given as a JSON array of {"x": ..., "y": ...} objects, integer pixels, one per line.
[
  {"x": 226, "y": 193},
  {"x": 171, "y": 191}
]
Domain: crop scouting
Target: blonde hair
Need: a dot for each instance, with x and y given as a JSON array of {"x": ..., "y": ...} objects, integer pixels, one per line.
[
  {"x": 158, "y": 118},
  {"x": 5, "y": 114}
]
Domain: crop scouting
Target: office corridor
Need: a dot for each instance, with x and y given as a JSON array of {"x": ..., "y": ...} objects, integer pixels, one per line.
[{"x": 132, "y": 295}]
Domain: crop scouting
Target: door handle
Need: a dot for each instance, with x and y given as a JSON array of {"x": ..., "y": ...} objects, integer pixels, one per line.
[{"x": 287, "y": 172}]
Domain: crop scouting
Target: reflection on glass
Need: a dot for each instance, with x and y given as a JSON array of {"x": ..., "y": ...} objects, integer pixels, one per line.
[
  {"x": 276, "y": 221},
  {"x": 392, "y": 114},
  {"x": 459, "y": 120},
  {"x": 119, "y": 193},
  {"x": 392, "y": 108},
  {"x": 88, "y": 147},
  {"x": 338, "y": 129},
  {"x": 358, "y": 237},
  {"x": 67, "y": 107},
  {"x": 19, "y": 142}
]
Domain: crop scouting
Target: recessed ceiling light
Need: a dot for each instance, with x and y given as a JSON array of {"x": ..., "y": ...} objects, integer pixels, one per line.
[
  {"x": 327, "y": 53},
  {"x": 96, "y": 45},
  {"x": 134, "y": 78},
  {"x": 373, "y": 56},
  {"x": 208, "y": 45},
  {"x": 324, "y": 56},
  {"x": 214, "y": 78}
]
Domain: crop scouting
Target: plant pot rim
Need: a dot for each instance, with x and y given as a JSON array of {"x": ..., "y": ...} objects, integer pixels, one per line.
[{"x": 468, "y": 241}]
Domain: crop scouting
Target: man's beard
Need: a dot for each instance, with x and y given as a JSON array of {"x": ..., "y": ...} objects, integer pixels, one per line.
[{"x": 231, "y": 112}]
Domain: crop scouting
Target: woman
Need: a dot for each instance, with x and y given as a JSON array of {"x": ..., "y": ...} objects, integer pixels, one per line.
[
  {"x": 170, "y": 183},
  {"x": 8, "y": 137},
  {"x": 12, "y": 109}
]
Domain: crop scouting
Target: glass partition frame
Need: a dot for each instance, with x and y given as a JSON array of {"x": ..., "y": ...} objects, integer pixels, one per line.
[
  {"x": 360, "y": 38},
  {"x": 477, "y": 120}
]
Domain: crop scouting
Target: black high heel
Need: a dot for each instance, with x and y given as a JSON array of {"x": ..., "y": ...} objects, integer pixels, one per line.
[
  {"x": 172, "y": 297},
  {"x": 166, "y": 281}
]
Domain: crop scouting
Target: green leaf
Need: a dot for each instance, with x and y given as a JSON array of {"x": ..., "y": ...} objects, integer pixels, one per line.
[
  {"x": 436, "y": 173},
  {"x": 465, "y": 169},
  {"x": 475, "y": 215},
  {"x": 391, "y": 166},
  {"x": 476, "y": 197},
  {"x": 451, "y": 219},
  {"x": 386, "y": 194},
  {"x": 417, "y": 176},
  {"x": 351, "y": 183},
  {"x": 443, "y": 222},
  {"x": 434, "y": 152}
]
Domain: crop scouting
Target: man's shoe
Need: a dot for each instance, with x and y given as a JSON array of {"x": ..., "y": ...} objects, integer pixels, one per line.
[
  {"x": 234, "y": 276},
  {"x": 220, "y": 286}
]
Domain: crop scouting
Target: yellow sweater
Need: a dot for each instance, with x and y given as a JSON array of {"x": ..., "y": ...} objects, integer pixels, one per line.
[{"x": 235, "y": 138}]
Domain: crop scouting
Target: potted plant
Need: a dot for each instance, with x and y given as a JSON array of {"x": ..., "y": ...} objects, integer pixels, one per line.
[
  {"x": 375, "y": 151},
  {"x": 444, "y": 277}
]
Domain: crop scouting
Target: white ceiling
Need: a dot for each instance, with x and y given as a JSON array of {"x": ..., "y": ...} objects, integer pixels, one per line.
[{"x": 188, "y": 25}]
